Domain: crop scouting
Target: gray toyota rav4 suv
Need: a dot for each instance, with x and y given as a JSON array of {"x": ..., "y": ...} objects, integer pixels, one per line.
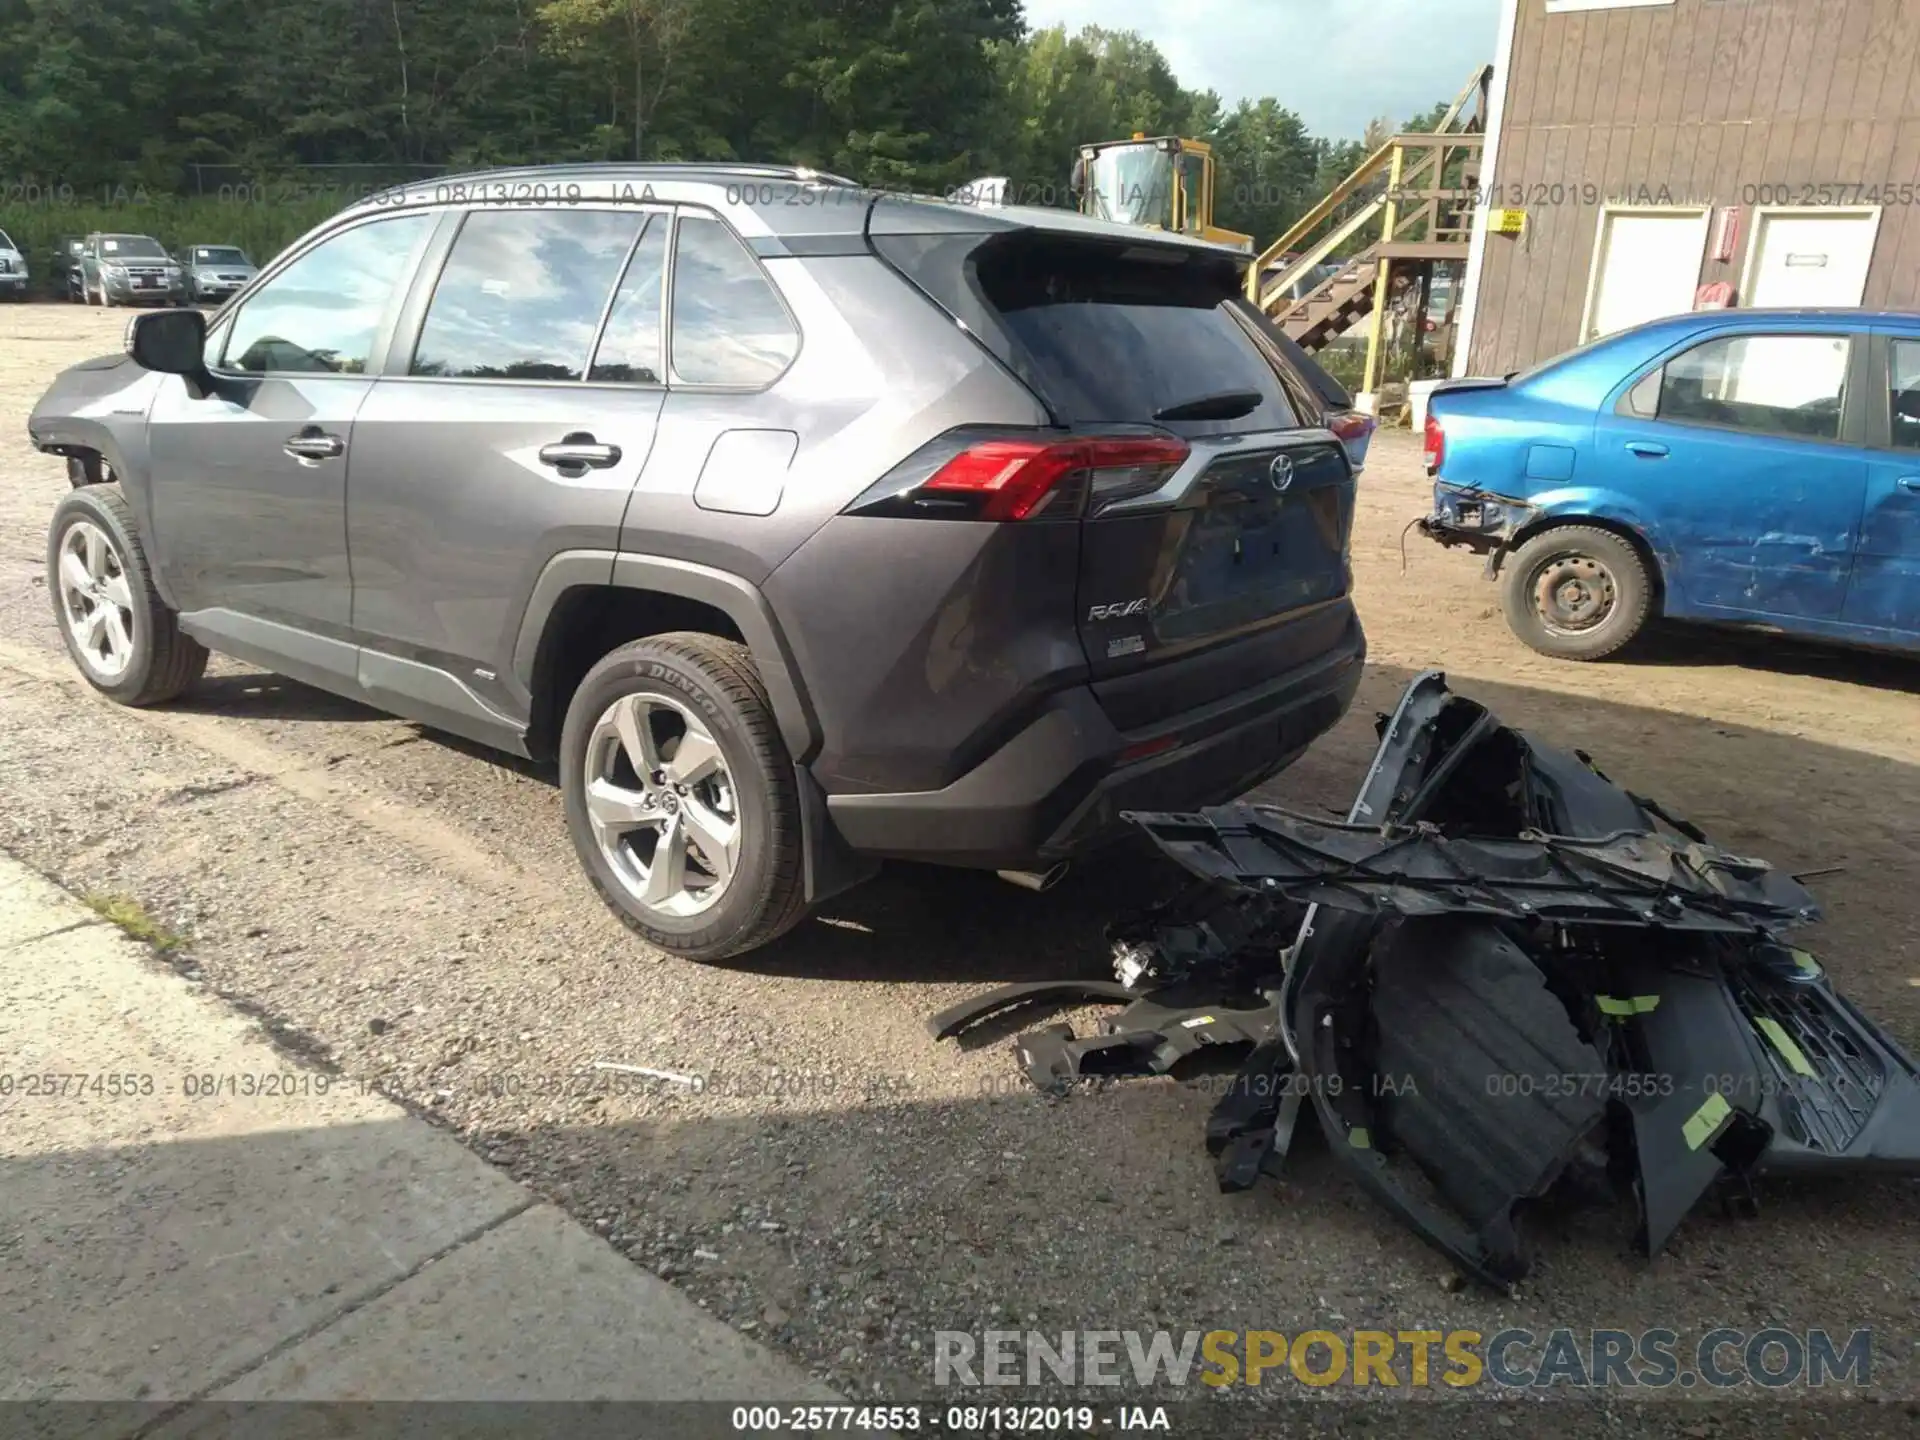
[{"x": 802, "y": 525}]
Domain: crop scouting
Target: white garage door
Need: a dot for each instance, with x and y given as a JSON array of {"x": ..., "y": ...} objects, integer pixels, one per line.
[
  {"x": 1646, "y": 264},
  {"x": 1806, "y": 257}
]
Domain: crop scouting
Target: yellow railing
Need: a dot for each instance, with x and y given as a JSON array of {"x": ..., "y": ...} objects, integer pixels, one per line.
[
  {"x": 1319, "y": 215},
  {"x": 1419, "y": 178},
  {"x": 1417, "y": 200}
]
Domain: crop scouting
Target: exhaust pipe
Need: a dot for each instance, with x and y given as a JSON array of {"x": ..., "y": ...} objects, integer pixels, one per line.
[{"x": 1037, "y": 881}]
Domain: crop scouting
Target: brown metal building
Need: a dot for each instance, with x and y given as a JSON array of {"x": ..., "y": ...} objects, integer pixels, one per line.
[{"x": 1640, "y": 151}]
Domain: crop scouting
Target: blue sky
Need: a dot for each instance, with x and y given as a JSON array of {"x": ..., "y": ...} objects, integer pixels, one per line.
[{"x": 1398, "y": 57}]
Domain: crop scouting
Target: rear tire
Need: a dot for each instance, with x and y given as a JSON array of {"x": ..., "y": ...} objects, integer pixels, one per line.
[
  {"x": 121, "y": 635},
  {"x": 681, "y": 798},
  {"x": 1577, "y": 592}
]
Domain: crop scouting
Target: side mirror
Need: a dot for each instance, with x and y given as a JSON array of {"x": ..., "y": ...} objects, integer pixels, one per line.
[
  {"x": 1078, "y": 184},
  {"x": 169, "y": 342}
]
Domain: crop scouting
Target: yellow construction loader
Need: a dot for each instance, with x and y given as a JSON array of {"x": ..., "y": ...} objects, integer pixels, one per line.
[{"x": 1161, "y": 182}]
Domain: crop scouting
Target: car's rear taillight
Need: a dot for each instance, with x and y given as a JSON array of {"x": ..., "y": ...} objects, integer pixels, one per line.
[
  {"x": 1436, "y": 444},
  {"x": 1352, "y": 425},
  {"x": 1008, "y": 476}
]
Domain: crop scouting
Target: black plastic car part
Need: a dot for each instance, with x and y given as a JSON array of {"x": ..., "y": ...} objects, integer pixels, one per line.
[{"x": 1513, "y": 980}]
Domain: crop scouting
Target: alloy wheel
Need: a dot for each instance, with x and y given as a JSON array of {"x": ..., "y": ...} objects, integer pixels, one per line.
[
  {"x": 663, "y": 805},
  {"x": 96, "y": 600}
]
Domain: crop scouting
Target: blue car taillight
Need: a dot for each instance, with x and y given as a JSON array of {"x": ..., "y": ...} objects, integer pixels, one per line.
[{"x": 1436, "y": 444}]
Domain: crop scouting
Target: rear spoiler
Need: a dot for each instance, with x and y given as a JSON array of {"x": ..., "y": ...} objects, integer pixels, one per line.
[{"x": 1472, "y": 382}]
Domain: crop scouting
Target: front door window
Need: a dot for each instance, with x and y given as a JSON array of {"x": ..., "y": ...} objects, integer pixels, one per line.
[{"x": 324, "y": 312}]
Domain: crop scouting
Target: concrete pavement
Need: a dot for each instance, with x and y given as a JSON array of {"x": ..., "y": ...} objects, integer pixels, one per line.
[{"x": 187, "y": 1214}]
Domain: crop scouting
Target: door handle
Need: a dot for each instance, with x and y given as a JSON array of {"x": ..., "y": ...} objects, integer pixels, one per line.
[
  {"x": 1909, "y": 482},
  {"x": 313, "y": 444},
  {"x": 580, "y": 452},
  {"x": 1647, "y": 449}
]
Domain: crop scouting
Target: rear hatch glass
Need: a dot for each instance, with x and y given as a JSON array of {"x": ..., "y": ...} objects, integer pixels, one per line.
[
  {"x": 1243, "y": 554},
  {"x": 1123, "y": 335}
]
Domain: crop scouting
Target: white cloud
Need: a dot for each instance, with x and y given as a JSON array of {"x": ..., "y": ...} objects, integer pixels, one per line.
[{"x": 1338, "y": 63}]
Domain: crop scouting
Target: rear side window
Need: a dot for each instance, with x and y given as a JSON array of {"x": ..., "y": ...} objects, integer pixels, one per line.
[
  {"x": 522, "y": 294},
  {"x": 1905, "y": 395},
  {"x": 729, "y": 326},
  {"x": 1108, "y": 338},
  {"x": 1791, "y": 385}
]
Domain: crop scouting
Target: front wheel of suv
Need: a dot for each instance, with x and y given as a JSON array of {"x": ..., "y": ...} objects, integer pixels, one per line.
[
  {"x": 681, "y": 798},
  {"x": 126, "y": 641}
]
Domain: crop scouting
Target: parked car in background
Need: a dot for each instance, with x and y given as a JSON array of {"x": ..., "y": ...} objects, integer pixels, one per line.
[
  {"x": 215, "y": 272},
  {"x": 130, "y": 270},
  {"x": 64, "y": 268},
  {"x": 801, "y": 530},
  {"x": 1749, "y": 467},
  {"x": 14, "y": 279}
]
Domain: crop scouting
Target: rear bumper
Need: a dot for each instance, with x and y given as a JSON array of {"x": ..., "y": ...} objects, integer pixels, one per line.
[
  {"x": 1477, "y": 519},
  {"x": 1059, "y": 787}
]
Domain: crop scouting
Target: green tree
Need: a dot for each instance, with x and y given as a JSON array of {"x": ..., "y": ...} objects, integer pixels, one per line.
[
  {"x": 631, "y": 44},
  {"x": 1268, "y": 168},
  {"x": 116, "y": 96}
]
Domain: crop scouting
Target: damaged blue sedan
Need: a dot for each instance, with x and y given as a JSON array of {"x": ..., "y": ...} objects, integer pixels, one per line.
[{"x": 1758, "y": 468}]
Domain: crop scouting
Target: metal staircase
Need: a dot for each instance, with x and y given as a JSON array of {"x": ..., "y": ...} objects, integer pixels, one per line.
[{"x": 1414, "y": 196}]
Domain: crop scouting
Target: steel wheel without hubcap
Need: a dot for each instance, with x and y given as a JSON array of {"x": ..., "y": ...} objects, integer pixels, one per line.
[
  {"x": 96, "y": 600},
  {"x": 1573, "y": 594},
  {"x": 662, "y": 804}
]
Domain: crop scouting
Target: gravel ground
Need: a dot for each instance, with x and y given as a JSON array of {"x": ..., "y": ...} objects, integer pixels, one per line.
[{"x": 406, "y": 908}]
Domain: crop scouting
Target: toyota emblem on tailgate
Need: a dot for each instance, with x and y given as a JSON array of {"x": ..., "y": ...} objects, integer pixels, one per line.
[{"x": 1282, "y": 473}]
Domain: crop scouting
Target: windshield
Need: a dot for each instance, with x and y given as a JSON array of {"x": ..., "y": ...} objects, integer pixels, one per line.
[
  {"x": 1132, "y": 184},
  {"x": 131, "y": 247},
  {"x": 218, "y": 255},
  {"x": 5, "y": 243}
]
